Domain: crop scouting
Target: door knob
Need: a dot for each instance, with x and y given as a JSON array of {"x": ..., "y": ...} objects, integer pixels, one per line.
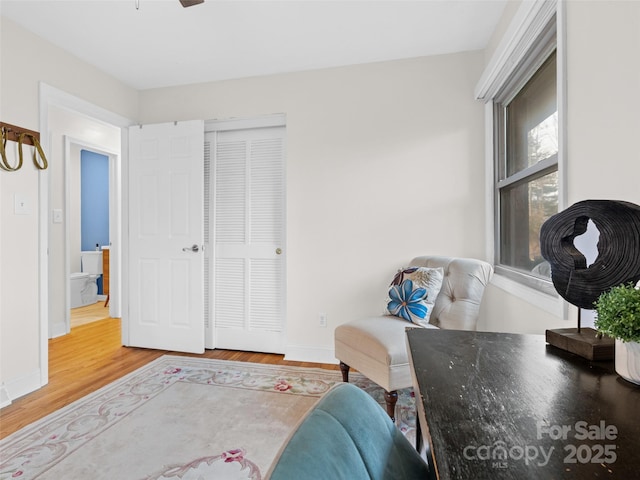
[
  {"x": 192, "y": 248},
  {"x": 278, "y": 251}
]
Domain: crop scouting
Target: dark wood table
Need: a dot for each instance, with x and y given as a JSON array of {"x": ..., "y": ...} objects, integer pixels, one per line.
[{"x": 494, "y": 406}]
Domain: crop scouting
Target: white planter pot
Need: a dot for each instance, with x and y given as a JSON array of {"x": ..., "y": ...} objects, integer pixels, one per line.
[{"x": 628, "y": 360}]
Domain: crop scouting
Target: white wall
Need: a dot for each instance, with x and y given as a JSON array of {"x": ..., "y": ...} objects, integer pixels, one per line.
[
  {"x": 603, "y": 159},
  {"x": 26, "y": 60},
  {"x": 508, "y": 13},
  {"x": 75, "y": 209},
  {"x": 604, "y": 100},
  {"x": 19, "y": 312},
  {"x": 383, "y": 164}
]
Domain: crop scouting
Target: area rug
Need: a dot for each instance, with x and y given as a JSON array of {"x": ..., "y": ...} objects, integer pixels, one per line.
[{"x": 179, "y": 418}]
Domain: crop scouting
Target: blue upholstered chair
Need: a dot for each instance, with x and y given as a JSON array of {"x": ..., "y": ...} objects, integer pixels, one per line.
[{"x": 347, "y": 435}]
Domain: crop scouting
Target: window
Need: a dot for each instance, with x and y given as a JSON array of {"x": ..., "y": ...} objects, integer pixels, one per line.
[
  {"x": 524, "y": 92},
  {"x": 526, "y": 168}
]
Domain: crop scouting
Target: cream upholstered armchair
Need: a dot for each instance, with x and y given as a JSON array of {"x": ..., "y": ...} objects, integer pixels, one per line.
[{"x": 377, "y": 347}]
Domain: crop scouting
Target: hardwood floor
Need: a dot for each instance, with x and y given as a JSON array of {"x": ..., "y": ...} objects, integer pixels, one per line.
[
  {"x": 92, "y": 356},
  {"x": 88, "y": 314}
]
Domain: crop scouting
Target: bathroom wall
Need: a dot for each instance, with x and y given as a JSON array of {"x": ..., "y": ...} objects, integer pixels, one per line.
[{"x": 94, "y": 202}]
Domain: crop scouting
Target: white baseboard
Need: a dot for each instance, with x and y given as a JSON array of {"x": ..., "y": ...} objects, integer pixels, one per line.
[
  {"x": 4, "y": 397},
  {"x": 304, "y": 353},
  {"x": 19, "y": 387},
  {"x": 57, "y": 329}
]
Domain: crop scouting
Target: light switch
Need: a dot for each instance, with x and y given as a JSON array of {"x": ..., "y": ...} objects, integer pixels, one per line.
[
  {"x": 21, "y": 204},
  {"x": 57, "y": 215}
]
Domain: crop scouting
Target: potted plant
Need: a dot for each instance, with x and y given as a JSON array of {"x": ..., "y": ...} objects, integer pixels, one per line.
[{"x": 618, "y": 315}]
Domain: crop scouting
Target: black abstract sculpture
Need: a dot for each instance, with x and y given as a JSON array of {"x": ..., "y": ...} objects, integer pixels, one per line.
[
  {"x": 618, "y": 262},
  {"x": 618, "y": 258}
]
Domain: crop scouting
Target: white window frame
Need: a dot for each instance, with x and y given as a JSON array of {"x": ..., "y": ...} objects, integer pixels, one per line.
[{"x": 527, "y": 34}]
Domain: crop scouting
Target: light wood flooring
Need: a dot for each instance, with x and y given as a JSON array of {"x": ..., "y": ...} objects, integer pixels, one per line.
[
  {"x": 88, "y": 314},
  {"x": 92, "y": 356}
]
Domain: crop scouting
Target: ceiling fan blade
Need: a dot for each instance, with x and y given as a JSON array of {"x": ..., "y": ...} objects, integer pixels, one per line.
[{"x": 190, "y": 3}]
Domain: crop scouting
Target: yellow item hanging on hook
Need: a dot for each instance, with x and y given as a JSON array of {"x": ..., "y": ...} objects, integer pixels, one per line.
[
  {"x": 4, "y": 163},
  {"x": 37, "y": 151}
]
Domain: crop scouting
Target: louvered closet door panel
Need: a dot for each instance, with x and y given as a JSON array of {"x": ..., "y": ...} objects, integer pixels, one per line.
[
  {"x": 230, "y": 292},
  {"x": 266, "y": 296},
  {"x": 208, "y": 257},
  {"x": 249, "y": 240},
  {"x": 267, "y": 191},
  {"x": 230, "y": 193}
]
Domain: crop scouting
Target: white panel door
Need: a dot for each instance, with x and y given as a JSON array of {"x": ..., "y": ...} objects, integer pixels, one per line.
[
  {"x": 248, "y": 234},
  {"x": 165, "y": 236}
]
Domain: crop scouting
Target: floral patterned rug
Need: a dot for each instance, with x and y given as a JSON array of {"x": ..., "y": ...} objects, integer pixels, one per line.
[{"x": 179, "y": 418}]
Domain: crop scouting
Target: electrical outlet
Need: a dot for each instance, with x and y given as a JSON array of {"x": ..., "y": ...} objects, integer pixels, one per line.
[{"x": 322, "y": 319}]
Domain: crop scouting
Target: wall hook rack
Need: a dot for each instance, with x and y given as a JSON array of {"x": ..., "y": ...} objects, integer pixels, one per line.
[{"x": 23, "y": 136}]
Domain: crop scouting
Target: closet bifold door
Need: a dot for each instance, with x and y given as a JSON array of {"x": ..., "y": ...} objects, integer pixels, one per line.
[{"x": 248, "y": 235}]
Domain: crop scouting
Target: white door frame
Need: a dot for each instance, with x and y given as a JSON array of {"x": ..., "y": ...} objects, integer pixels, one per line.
[{"x": 51, "y": 96}]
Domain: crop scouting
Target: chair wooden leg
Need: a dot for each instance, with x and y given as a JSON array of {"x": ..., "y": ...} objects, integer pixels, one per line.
[
  {"x": 391, "y": 399},
  {"x": 344, "y": 368}
]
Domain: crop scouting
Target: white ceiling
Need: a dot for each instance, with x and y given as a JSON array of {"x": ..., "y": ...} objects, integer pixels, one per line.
[{"x": 163, "y": 44}]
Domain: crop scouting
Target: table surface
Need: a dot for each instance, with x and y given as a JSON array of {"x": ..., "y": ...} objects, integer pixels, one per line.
[{"x": 497, "y": 405}]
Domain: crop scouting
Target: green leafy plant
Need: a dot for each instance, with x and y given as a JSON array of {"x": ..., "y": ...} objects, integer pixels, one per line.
[{"x": 618, "y": 312}]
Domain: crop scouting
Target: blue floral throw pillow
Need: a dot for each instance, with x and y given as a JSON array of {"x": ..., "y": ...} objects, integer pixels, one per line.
[
  {"x": 413, "y": 293},
  {"x": 407, "y": 302}
]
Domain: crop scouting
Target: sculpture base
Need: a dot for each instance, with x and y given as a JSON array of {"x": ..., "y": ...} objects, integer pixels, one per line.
[{"x": 583, "y": 342}]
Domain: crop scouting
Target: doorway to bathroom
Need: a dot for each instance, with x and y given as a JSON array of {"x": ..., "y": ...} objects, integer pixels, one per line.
[
  {"x": 88, "y": 210},
  {"x": 89, "y": 236},
  {"x": 73, "y": 134},
  {"x": 68, "y": 122}
]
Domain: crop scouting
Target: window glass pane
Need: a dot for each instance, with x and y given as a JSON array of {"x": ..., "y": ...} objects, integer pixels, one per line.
[
  {"x": 524, "y": 208},
  {"x": 532, "y": 120}
]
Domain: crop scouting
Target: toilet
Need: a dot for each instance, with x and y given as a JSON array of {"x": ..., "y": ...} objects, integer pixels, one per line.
[{"x": 84, "y": 289}]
